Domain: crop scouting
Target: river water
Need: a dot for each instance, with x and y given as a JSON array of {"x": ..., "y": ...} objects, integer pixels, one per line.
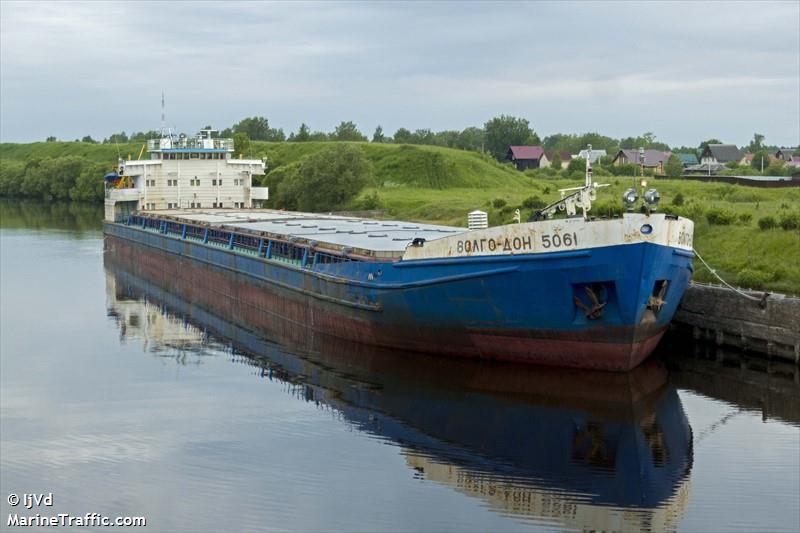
[{"x": 125, "y": 398}]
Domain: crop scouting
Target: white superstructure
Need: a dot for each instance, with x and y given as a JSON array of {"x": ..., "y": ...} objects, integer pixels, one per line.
[{"x": 185, "y": 173}]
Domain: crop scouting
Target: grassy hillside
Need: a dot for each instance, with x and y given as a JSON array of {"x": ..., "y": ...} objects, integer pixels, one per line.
[
  {"x": 98, "y": 153},
  {"x": 425, "y": 183},
  {"x": 407, "y": 165}
]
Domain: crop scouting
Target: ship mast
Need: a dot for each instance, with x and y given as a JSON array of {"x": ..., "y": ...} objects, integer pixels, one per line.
[
  {"x": 578, "y": 197},
  {"x": 163, "y": 114}
]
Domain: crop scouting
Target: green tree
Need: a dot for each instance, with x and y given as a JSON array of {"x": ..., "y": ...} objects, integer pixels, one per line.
[
  {"x": 347, "y": 131},
  {"x": 704, "y": 144},
  {"x": 403, "y": 136},
  {"x": 577, "y": 164},
  {"x": 241, "y": 143},
  {"x": 448, "y": 138},
  {"x": 471, "y": 138},
  {"x": 152, "y": 134},
  {"x": 88, "y": 139},
  {"x": 319, "y": 136},
  {"x": 89, "y": 184},
  {"x": 117, "y": 138},
  {"x": 556, "y": 161},
  {"x": 646, "y": 140},
  {"x": 11, "y": 175},
  {"x": 51, "y": 139},
  {"x": 505, "y": 131},
  {"x": 327, "y": 179},
  {"x": 674, "y": 167},
  {"x": 257, "y": 129},
  {"x": 759, "y": 157},
  {"x": 423, "y": 136},
  {"x": 775, "y": 168},
  {"x": 378, "y": 136},
  {"x": 303, "y": 134},
  {"x": 62, "y": 173},
  {"x": 756, "y": 144}
]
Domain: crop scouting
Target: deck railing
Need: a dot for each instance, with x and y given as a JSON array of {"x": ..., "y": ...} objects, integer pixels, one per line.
[
  {"x": 189, "y": 143},
  {"x": 279, "y": 250}
]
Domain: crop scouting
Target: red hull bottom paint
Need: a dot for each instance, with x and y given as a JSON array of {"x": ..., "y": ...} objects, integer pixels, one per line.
[{"x": 284, "y": 314}]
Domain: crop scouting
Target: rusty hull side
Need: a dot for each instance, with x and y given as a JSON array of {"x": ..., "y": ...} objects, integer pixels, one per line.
[{"x": 416, "y": 318}]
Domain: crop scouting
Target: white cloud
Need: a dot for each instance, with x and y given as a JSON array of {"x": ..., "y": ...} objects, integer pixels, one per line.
[{"x": 74, "y": 68}]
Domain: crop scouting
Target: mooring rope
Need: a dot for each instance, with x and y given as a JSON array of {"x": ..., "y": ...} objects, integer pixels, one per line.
[{"x": 728, "y": 285}]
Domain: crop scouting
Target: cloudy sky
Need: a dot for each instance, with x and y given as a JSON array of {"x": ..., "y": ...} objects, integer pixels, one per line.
[{"x": 685, "y": 71}]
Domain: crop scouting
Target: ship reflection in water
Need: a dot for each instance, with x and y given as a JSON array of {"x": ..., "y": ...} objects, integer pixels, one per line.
[{"x": 570, "y": 448}]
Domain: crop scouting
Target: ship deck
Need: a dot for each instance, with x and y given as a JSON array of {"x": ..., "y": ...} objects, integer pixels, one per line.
[{"x": 387, "y": 238}]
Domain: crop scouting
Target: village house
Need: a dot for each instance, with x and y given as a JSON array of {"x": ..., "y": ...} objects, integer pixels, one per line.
[
  {"x": 593, "y": 157},
  {"x": 565, "y": 157},
  {"x": 525, "y": 157},
  {"x": 784, "y": 154},
  {"x": 714, "y": 154},
  {"x": 687, "y": 159},
  {"x": 653, "y": 159}
]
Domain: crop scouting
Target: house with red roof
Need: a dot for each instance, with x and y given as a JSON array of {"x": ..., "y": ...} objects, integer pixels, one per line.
[{"x": 524, "y": 157}]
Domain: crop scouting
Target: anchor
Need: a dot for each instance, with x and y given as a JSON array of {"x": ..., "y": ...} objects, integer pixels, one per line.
[
  {"x": 657, "y": 302},
  {"x": 596, "y": 310}
]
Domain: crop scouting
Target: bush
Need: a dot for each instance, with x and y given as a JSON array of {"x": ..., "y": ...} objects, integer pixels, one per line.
[
  {"x": 745, "y": 218},
  {"x": 720, "y": 217},
  {"x": 742, "y": 195},
  {"x": 678, "y": 200},
  {"x": 674, "y": 167},
  {"x": 751, "y": 278},
  {"x": 533, "y": 202},
  {"x": 775, "y": 168},
  {"x": 497, "y": 203},
  {"x": 370, "y": 202},
  {"x": 327, "y": 179},
  {"x": 790, "y": 221},
  {"x": 577, "y": 164},
  {"x": 601, "y": 172},
  {"x": 766, "y": 223},
  {"x": 607, "y": 209},
  {"x": 626, "y": 169},
  {"x": 693, "y": 210}
]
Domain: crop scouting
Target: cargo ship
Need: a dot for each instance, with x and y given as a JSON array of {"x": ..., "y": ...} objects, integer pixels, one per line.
[{"x": 577, "y": 291}]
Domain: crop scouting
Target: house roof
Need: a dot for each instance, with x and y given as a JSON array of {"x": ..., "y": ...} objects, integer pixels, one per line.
[
  {"x": 652, "y": 158},
  {"x": 688, "y": 159},
  {"x": 596, "y": 154},
  {"x": 526, "y": 152},
  {"x": 785, "y": 154},
  {"x": 723, "y": 152}
]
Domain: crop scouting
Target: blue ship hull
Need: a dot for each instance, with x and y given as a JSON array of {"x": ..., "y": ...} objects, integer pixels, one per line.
[{"x": 525, "y": 307}]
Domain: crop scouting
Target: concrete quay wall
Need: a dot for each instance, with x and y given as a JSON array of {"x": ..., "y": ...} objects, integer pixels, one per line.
[{"x": 769, "y": 327}]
